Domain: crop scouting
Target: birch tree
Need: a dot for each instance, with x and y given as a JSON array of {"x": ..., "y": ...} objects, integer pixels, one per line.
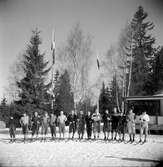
[{"x": 75, "y": 56}]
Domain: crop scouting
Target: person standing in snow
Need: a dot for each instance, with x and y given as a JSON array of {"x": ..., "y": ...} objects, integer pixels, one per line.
[
  {"x": 12, "y": 128},
  {"x": 89, "y": 121},
  {"x": 122, "y": 124},
  {"x": 35, "y": 124},
  {"x": 131, "y": 125},
  {"x": 44, "y": 125},
  {"x": 115, "y": 120},
  {"x": 52, "y": 124},
  {"x": 81, "y": 125},
  {"x": 61, "y": 121},
  {"x": 144, "y": 119},
  {"x": 72, "y": 119},
  {"x": 107, "y": 124},
  {"x": 96, "y": 117},
  {"x": 24, "y": 121}
]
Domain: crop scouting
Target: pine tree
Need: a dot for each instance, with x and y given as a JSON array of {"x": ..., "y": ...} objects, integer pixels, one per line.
[
  {"x": 32, "y": 87},
  {"x": 142, "y": 53},
  {"x": 64, "y": 98}
]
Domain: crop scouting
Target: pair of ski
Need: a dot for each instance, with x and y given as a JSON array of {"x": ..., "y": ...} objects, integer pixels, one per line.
[{"x": 135, "y": 142}]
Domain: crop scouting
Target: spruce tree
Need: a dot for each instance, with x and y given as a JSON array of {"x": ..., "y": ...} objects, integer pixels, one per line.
[
  {"x": 158, "y": 70},
  {"x": 142, "y": 53},
  {"x": 33, "y": 90},
  {"x": 105, "y": 99},
  {"x": 64, "y": 98}
]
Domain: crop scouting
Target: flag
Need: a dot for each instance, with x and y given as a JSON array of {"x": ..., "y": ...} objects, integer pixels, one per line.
[
  {"x": 53, "y": 48},
  {"x": 98, "y": 64}
]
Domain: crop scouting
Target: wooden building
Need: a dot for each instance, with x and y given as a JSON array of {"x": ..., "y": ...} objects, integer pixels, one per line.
[{"x": 153, "y": 106}]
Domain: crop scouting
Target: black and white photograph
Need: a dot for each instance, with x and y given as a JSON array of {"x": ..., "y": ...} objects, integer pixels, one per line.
[{"x": 81, "y": 83}]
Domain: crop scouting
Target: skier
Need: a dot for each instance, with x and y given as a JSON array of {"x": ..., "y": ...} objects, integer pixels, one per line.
[
  {"x": 61, "y": 121},
  {"x": 89, "y": 121},
  {"x": 131, "y": 125},
  {"x": 44, "y": 125},
  {"x": 107, "y": 124},
  {"x": 122, "y": 124},
  {"x": 12, "y": 128},
  {"x": 96, "y": 117},
  {"x": 115, "y": 120},
  {"x": 72, "y": 119},
  {"x": 24, "y": 121},
  {"x": 144, "y": 119},
  {"x": 81, "y": 124},
  {"x": 35, "y": 124},
  {"x": 52, "y": 124}
]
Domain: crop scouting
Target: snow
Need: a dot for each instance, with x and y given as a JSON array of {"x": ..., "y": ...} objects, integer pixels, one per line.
[{"x": 76, "y": 153}]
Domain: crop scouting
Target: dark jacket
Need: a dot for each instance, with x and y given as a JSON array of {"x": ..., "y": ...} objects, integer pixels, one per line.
[
  {"x": 106, "y": 118},
  {"x": 72, "y": 119},
  {"x": 81, "y": 119},
  {"x": 115, "y": 121},
  {"x": 89, "y": 121},
  {"x": 12, "y": 123}
]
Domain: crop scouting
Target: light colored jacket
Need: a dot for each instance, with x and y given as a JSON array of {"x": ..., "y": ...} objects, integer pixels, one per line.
[
  {"x": 96, "y": 117},
  {"x": 61, "y": 119},
  {"x": 144, "y": 119},
  {"x": 24, "y": 120}
]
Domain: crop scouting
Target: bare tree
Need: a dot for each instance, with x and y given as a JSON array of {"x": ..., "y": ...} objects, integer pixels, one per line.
[
  {"x": 118, "y": 62},
  {"x": 125, "y": 61},
  {"x": 75, "y": 56},
  {"x": 16, "y": 73}
]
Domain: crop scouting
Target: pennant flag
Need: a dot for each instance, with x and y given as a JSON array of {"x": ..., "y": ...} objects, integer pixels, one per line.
[
  {"x": 53, "y": 48},
  {"x": 98, "y": 64}
]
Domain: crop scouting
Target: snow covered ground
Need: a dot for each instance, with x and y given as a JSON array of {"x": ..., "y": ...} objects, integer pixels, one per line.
[{"x": 76, "y": 153}]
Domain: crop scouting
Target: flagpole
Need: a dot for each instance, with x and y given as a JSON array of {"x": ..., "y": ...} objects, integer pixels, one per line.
[
  {"x": 98, "y": 96},
  {"x": 53, "y": 62},
  {"x": 52, "y": 106}
]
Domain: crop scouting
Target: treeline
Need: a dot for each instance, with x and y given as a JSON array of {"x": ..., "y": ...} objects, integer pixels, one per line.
[{"x": 135, "y": 66}]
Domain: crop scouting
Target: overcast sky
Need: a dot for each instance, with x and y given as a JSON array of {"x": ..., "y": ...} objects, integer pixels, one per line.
[{"x": 103, "y": 19}]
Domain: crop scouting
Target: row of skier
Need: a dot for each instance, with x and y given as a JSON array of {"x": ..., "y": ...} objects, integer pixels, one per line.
[{"x": 113, "y": 124}]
